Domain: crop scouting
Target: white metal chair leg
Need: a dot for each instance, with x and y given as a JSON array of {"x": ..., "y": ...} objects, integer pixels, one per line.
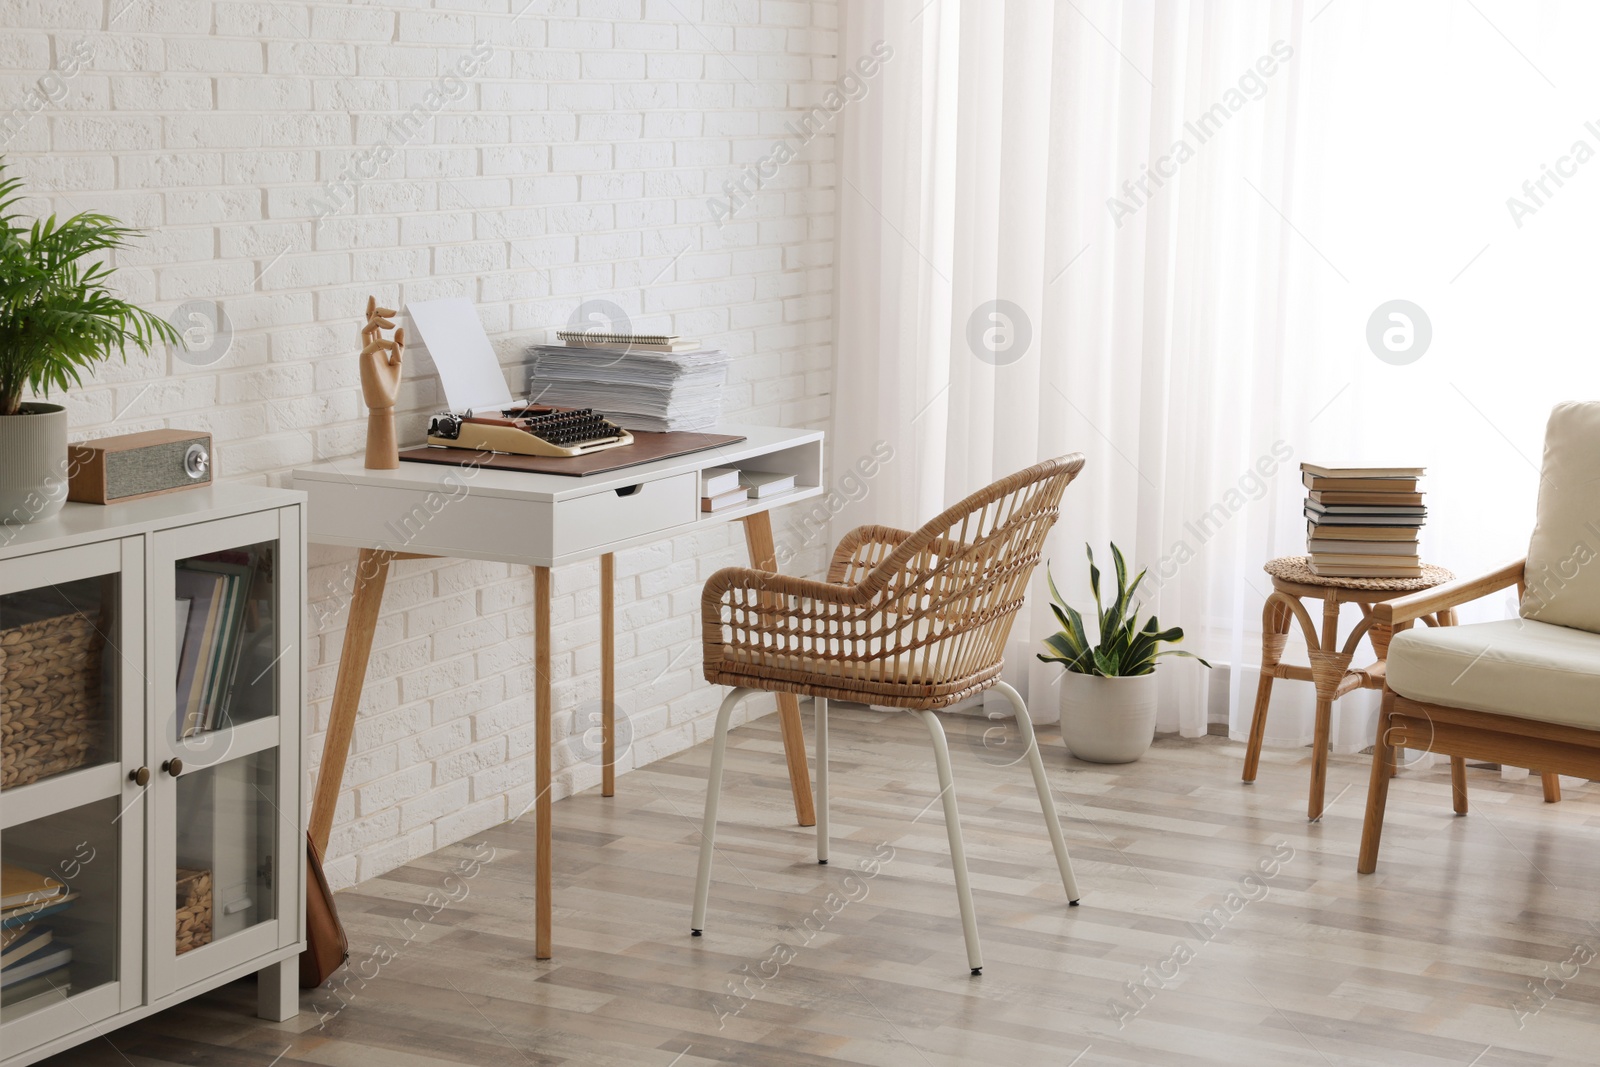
[
  {"x": 958, "y": 853},
  {"x": 708, "y": 829},
  {"x": 1042, "y": 784},
  {"x": 821, "y": 706}
]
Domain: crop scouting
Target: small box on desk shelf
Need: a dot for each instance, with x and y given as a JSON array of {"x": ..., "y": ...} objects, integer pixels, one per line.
[
  {"x": 763, "y": 484},
  {"x": 715, "y": 481},
  {"x": 732, "y": 498}
]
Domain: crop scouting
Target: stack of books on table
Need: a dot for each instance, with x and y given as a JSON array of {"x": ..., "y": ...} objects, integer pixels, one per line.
[
  {"x": 1363, "y": 522},
  {"x": 33, "y": 961},
  {"x": 726, "y": 487},
  {"x": 653, "y": 382}
]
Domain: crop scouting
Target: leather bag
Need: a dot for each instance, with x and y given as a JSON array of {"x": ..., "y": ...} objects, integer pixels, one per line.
[{"x": 327, "y": 948}]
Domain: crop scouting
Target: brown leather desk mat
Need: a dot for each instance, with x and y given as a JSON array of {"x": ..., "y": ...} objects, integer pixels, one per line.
[{"x": 646, "y": 448}]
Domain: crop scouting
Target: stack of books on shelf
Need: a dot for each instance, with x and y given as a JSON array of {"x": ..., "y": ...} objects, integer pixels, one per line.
[
  {"x": 726, "y": 487},
  {"x": 33, "y": 961},
  {"x": 653, "y": 382},
  {"x": 212, "y": 598},
  {"x": 1363, "y": 522}
]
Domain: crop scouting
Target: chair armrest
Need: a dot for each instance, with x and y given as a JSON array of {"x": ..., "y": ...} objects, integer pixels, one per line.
[
  {"x": 862, "y": 549},
  {"x": 768, "y": 610},
  {"x": 1410, "y": 608},
  {"x": 779, "y": 585}
]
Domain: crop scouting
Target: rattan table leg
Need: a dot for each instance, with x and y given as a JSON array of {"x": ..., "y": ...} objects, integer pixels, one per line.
[
  {"x": 1274, "y": 635},
  {"x": 1328, "y": 666}
]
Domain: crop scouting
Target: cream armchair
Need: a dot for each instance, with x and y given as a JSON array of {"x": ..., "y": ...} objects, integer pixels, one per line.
[{"x": 1523, "y": 691}]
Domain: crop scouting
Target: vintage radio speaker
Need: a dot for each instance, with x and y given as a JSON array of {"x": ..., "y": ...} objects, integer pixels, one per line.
[{"x": 134, "y": 465}]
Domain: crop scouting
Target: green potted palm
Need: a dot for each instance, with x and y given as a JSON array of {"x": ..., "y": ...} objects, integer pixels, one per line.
[
  {"x": 1108, "y": 693},
  {"x": 58, "y": 318}
]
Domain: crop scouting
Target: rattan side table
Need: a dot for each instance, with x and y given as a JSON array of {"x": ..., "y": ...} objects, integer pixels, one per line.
[{"x": 1330, "y": 671}]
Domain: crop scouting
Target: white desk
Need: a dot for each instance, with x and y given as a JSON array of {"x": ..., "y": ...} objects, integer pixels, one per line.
[{"x": 540, "y": 520}]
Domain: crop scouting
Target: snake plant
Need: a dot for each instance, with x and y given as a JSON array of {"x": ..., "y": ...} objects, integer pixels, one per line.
[{"x": 1125, "y": 648}]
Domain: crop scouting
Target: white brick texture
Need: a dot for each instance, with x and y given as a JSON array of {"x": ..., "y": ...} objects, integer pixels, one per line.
[{"x": 287, "y": 159}]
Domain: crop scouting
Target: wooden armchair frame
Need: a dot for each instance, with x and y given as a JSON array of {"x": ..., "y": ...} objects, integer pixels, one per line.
[{"x": 1462, "y": 734}]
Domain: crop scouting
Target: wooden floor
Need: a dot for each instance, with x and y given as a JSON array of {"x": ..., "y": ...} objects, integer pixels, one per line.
[{"x": 1430, "y": 961}]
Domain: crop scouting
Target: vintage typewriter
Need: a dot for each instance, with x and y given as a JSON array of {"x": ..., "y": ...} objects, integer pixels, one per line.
[{"x": 528, "y": 430}]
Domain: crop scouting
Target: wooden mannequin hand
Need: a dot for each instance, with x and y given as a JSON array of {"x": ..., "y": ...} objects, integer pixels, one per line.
[
  {"x": 380, "y": 358},
  {"x": 380, "y": 369},
  {"x": 377, "y": 319}
]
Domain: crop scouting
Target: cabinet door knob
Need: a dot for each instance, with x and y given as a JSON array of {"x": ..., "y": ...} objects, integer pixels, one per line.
[
  {"x": 173, "y": 767},
  {"x": 140, "y": 776}
]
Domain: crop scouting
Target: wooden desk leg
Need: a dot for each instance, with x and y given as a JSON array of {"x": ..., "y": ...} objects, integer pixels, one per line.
[
  {"x": 541, "y": 761},
  {"x": 608, "y": 676},
  {"x": 764, "y": 556},
  {"x": 1274, "y": 635},
  {"x": 372, "y": 574}
]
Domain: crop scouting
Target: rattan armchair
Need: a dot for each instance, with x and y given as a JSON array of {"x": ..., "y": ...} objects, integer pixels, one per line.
[{"x": 916, "y": 621}]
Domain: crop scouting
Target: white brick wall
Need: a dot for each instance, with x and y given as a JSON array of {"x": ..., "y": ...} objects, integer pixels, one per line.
[{"x": 575, "y": 164}]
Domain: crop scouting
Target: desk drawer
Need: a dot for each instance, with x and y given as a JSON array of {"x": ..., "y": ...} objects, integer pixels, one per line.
[{"x": 609, "y": 516}]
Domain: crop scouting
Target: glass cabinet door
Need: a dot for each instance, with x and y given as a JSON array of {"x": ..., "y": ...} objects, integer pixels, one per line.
[
  {"x": 72, "y": 816},
  {"x": 225, "y": 736}
]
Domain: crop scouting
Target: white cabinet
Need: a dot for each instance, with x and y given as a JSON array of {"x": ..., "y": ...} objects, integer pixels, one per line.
[{"x": 152, "y": 689}]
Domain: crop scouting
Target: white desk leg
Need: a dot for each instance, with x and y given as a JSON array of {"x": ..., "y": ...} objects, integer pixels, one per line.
[
  {"x": 541, "y": 809},
  {"x": 608, "y": 676},
  {"x": 278, "y": 990},
  {"x": 764, "y": 556}
]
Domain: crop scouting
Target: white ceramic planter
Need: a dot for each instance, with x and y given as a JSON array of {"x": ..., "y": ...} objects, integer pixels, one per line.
[
  {"x": 33, "y": 463},
  {"x": 1108, "y": 720}
]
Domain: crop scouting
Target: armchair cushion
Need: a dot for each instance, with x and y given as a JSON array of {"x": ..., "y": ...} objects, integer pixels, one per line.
[
  {"x": 1526, "y": 669},
  {"x": 1563, "y": 574}
]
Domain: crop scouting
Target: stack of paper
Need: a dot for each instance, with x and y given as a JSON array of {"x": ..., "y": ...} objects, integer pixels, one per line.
[{"x": 636, "y": 388}]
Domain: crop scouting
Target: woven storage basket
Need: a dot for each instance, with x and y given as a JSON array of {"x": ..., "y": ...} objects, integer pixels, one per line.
[
  {"x": 194, "y": 909},
  {"x": 51, "y": 719}
]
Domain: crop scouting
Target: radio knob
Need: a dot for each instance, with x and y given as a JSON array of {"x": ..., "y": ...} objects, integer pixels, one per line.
[{"x": 196, "y": 460}]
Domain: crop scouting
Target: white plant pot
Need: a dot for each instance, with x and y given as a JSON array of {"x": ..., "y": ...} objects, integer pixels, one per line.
[
  {"x": 1108, "y": 720},
  {"x": 33, "y": 463}
]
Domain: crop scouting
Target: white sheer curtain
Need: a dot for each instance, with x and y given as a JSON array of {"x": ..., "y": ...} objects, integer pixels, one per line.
[{"x": 1200, "y": 333}]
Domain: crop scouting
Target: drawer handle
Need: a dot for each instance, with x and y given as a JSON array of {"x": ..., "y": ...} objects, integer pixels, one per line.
[
  {"x": 173, "y": 767},
  {"x": 140, "y": 776},
  {"x": 629, "y": 490}
]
